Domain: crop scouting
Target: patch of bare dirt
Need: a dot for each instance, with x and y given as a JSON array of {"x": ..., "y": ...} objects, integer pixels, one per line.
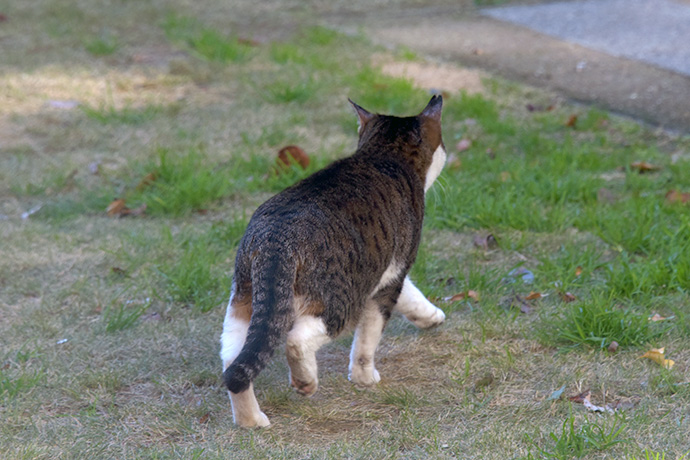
[{"x": 440, "y": 77}]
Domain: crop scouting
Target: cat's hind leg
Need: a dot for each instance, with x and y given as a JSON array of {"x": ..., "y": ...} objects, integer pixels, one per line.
[
  {"x": 307, "y": 335},
  {"x": 245, "y": 407},
  {"x": 416, "y": 308},
  {"x": 367, "y": 336}
]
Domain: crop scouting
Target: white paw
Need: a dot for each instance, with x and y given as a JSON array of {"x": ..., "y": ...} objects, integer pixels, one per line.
[
  {"x": 365, "y": 377},
  {"x": 255, "y": 420},
  {"x": 431, "y": 318}
]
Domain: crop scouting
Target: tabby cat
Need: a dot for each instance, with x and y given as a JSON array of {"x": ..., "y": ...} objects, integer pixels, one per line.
[{"x": 332, "y": 253}]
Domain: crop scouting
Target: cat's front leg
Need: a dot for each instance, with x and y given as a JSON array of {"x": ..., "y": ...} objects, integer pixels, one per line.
[
  {"x": 414, "y": 306},
  {"x": 367, "y": 335}
]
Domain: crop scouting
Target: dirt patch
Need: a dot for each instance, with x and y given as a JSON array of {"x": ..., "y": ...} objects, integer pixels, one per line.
[{"x": 440, "y": 77}]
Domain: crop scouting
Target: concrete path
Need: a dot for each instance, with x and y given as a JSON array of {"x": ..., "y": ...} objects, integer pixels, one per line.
[{"x": 592, "y": 52}]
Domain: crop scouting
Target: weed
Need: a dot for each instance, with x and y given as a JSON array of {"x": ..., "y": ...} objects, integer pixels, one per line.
[
  {"x": 183, "y": 182},
  {"x": 123, "y": 316},
  {"x": 104, "y": 45},
  {"x": 598, "y": 321},
  {"x": 205, "y": 42},
  {"x": 576, "y": 442},
  {"x": 12, "y": 385},
  {"x": 651, "y": 455}
]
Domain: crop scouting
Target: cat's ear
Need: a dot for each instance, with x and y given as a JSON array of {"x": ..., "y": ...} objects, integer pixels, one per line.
[
  {"x": 363, "y": 116},
  {"x": 433, "y": 108}
]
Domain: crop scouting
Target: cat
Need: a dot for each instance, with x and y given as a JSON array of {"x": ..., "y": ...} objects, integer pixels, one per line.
[{"x": 332, "y": 253}]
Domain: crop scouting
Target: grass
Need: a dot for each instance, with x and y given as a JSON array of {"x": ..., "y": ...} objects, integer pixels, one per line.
[{"x": 109, "y": 325}]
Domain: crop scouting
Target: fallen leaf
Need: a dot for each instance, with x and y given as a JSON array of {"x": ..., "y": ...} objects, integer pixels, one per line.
[
  {"x": 557, "y": 394},
  {"x": 657, "y": 355},
  {"x": 118, "y": 208},
  {"x": 572, "y": 122},
  {"x": 463, "y": 145},
  {"x": 674, "y": 196},
  {"x": 248, "y": 41},
  {"x": 115, "y": 208},
  {"x": 118, "y": 271},
  {"x": 534, "y": 295},
  {"x": 578, "y": 271},
  {"x": 204, "y": 418},
  {"x": 292, "y": 154},
  {"x": 579, "y": 398},
  {"x": 484, "y": 241},
  {"x": 613, "y": 347},
  {"x": 567, "y": 297},
  {"x": 148, "y": 179},
  {"x": 462, "y": 295},
  {"x": 644, "y": 167},
  {"x": 657, "y": 317}
]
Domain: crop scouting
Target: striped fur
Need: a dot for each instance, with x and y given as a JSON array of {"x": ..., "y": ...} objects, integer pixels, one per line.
[{"x": 331, "y": 253}]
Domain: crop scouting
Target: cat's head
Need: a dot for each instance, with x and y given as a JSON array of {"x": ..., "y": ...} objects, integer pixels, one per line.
[{"x": 418, "y": 139}]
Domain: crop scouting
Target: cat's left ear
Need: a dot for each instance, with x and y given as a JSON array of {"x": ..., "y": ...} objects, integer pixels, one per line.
[
  {"x": 363, "y": 116},
  {"x": 433, "y": 108}
]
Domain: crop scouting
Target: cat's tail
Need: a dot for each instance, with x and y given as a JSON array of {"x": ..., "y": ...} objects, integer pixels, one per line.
[{"x": 273, "y": 277}]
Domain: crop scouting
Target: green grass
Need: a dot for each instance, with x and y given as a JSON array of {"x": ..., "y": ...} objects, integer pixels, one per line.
[
  {"x": 578, "y": 441},
  {"x": 109, "y": 326}
]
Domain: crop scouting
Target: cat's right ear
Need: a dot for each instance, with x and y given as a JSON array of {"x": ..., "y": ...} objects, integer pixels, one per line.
[{"x": 363, "y": 117}]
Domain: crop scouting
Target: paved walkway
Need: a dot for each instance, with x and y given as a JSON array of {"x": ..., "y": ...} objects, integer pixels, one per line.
[{"x": 627, "y": 56}]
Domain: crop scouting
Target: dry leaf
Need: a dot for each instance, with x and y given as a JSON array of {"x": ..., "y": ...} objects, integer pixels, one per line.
[
  {"x": 462, "y": 295},
  {"x": 534, "y": 296},
  {"x": 657, "y": 355},
  {"x": 657, "y": 317},
  {"x": 674, "y": 196},
  {"x": 463, "y": 145},
  {"x": 118, "y": 208},
  {"x": 572, "y": 121},
  {"x": 518, "y": 302},
  {"x": 613, "y": 347},
  {"x": 115, "y": 208},
  {"x": 204, "y": 418},
  {"x": 643, "y": 167},
  {"x": 148, "y": 179},
  {"x": 580, "y": 397},
  {"x": 292, "y": 154},
  {"x": 578, "y": 271},
  {"x": 567, "y": 297}
]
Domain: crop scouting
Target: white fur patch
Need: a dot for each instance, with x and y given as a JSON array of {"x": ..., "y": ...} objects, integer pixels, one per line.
[
  {"x": 233, "y": 337},
  {"x": 367, "y": 337},
  {"x": 390, "y": 275},
  {"x": 416, "y": 308},
  {"x": 437, "y": 163},
  {"x": 307, "y": 335}
]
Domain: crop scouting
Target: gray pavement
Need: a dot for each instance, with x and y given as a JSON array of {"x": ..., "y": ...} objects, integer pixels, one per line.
[
  {"x": 584, "y": 72},
  {"x": 652, "y": 31}
]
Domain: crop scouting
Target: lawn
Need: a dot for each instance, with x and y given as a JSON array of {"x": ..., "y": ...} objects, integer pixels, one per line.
[{"x": 136, "y": 140}]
